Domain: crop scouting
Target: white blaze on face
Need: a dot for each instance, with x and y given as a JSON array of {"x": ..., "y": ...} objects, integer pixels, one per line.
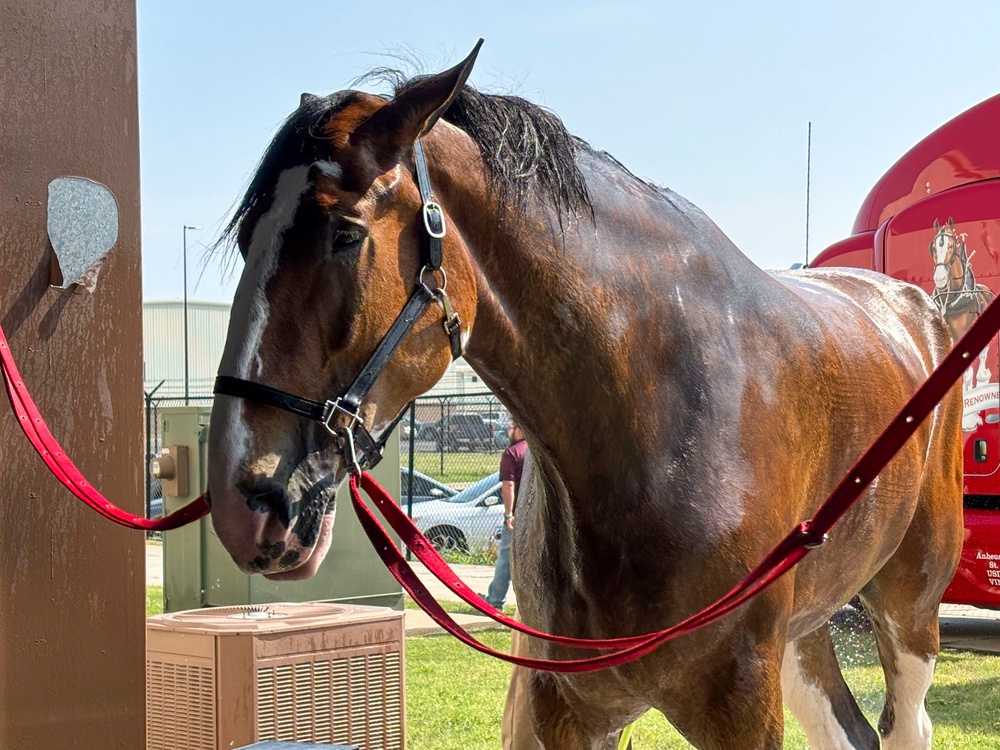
[
  {"x": 242, "y": 357},
  {"x": 941, "y": 245}
]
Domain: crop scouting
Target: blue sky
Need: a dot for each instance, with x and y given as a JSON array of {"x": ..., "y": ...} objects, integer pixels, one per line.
[{"x": 710, "y": 99}]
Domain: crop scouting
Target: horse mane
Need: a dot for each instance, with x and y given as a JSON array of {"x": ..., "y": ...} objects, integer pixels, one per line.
[{"x": 526, "y": 149}]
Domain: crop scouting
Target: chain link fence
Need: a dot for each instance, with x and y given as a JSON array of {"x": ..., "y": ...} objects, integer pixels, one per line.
[{"x": 450, "y": 448}]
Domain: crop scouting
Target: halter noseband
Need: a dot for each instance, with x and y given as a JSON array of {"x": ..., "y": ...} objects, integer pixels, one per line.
[{"x": 356, "y": 444}]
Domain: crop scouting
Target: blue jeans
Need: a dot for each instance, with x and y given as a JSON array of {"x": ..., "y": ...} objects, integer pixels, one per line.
[{"x": 497, "y": 594}]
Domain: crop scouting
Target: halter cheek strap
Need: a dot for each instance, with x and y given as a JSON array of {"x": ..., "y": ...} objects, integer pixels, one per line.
[{"x": 341, "y": 416}]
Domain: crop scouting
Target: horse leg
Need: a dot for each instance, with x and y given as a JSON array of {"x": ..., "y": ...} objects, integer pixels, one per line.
[
  {"x": 815, "y": 692},
  {"x": 907, "y": 647},
  {"x": 730, "y": 700},
  {"x": 902, "y": 601},
  {"x": 559, "y": 725}
]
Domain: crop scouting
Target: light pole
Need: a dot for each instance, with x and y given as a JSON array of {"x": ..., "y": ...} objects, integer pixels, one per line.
[{"x": 187, "y": 377}]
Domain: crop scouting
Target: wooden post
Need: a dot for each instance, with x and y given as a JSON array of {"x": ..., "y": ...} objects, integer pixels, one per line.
[{"x": 71, "y": 584}]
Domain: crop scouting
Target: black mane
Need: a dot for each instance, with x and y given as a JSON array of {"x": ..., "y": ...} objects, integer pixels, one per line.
[{"x": 526, "y": 149}]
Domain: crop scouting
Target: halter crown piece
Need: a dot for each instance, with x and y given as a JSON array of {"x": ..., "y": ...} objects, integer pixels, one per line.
[{"x": 341, "y": 415}]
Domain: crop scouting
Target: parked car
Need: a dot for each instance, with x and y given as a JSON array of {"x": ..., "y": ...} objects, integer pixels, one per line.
[
  {"x": 468, "y": 432},
  {"x": 404, "y": 428},
  {"x": 471, "y": 431},
  {"x": 467, "y": 521},
  {"x": 498, "y": 422},
  {"x": 429, "y": 430},
  {"x": 424, "y": 488}
]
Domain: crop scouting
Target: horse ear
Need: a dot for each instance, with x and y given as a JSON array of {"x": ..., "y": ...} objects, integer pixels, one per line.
[
  {"x": 937, "y": 226},
  {"x": 395, "y": 127},
  {"x": 951, "y": 223},
  {"x": 307, "y": 98}
]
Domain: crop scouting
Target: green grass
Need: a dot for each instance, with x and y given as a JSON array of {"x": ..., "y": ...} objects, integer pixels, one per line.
[
  {"x": 455, "y": 697},
  {"x": 458, "y": 557},
  {"x": 154, "y": 600},
  {"x": 455, "y": 468},
  {"x": 457, "y": 607}
]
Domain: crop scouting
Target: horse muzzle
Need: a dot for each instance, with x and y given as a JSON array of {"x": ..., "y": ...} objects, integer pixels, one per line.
[
  {"x": 941, "y": 276},
  {"x": 275, "y": 526}
]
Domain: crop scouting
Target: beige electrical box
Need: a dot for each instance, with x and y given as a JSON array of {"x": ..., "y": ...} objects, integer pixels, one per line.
[{"x": 171, "y": 468}]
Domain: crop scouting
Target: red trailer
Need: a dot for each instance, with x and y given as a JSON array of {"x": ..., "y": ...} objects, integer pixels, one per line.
[{"x": 934, "y": 220}]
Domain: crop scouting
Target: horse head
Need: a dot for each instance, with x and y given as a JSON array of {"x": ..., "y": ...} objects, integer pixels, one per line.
[
  {"x": 944, "y": 249},
  {"x": 331, "y": 230}
]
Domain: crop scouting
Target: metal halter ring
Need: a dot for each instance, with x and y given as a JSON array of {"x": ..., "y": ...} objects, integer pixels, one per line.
[{"x": 444, "y": 277}]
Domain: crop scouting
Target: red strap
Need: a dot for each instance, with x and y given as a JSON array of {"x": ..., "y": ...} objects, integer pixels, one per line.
[
  {"x": 784, "y": 556},
  {"x": 55, "y": 458}
]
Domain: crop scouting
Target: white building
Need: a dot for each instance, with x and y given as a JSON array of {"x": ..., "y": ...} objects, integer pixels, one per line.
[
  {"x": 208, "y": 322},
  {"x": 163, "y": 342}
]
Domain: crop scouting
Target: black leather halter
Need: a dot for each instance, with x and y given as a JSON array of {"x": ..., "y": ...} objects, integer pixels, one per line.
[{"x": 360, "y": 450}]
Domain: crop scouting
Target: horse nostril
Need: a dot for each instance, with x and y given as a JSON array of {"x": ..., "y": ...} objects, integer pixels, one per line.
[{"x": 271, "y": 498}]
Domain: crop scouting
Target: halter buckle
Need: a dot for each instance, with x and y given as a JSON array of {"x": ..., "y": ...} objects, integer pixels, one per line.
[
  {"x": 434, "y": 220},
  {"x": 451, "y": 322},
  {"x": 330, "y": 409}
]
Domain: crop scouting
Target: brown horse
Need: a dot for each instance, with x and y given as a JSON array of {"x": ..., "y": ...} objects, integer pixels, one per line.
[
  {"x": 685, "y": 409},
  {"x": 960, "y": 299}
]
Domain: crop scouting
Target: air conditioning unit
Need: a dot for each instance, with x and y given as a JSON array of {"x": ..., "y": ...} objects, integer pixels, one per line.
[{"x": 227, "y": 677}]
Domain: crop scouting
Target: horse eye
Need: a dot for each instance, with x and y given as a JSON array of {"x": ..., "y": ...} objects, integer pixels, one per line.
[{"x": 344, "y": 240}]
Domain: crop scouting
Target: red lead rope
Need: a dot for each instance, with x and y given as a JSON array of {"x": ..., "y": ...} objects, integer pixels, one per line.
[
  {"x": 785, "y": 555},
  {"x": 55, "y": 458},
  {"x": 796, "y": 545}
]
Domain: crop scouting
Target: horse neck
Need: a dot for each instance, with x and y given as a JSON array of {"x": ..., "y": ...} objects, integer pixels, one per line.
[
  {"x": 575, "y": 329},
  {"x": 959, "y": 271}
]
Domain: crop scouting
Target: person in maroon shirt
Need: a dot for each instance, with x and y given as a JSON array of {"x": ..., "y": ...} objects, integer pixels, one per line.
[{"x": 511, "y": 465}]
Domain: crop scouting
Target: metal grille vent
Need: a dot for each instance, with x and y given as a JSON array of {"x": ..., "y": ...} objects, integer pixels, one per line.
[
  {"x": 312, "y": 672},
  {"x": 352, "y": 700},
  {"x": 180, "y": 713},
  {"x": 245, "y": 612}
]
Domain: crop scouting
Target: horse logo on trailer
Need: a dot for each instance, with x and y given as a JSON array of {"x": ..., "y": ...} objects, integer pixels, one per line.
[{"x": 961, "y": 300}]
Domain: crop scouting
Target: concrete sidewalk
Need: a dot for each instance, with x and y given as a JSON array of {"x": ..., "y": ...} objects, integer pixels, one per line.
[
  {"x": 962, "y": 626},
  {"x": 476, "y": 577}
]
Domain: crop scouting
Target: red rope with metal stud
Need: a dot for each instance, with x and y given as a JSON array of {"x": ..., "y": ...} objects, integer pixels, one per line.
[{"x": 805, "y": 536}]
